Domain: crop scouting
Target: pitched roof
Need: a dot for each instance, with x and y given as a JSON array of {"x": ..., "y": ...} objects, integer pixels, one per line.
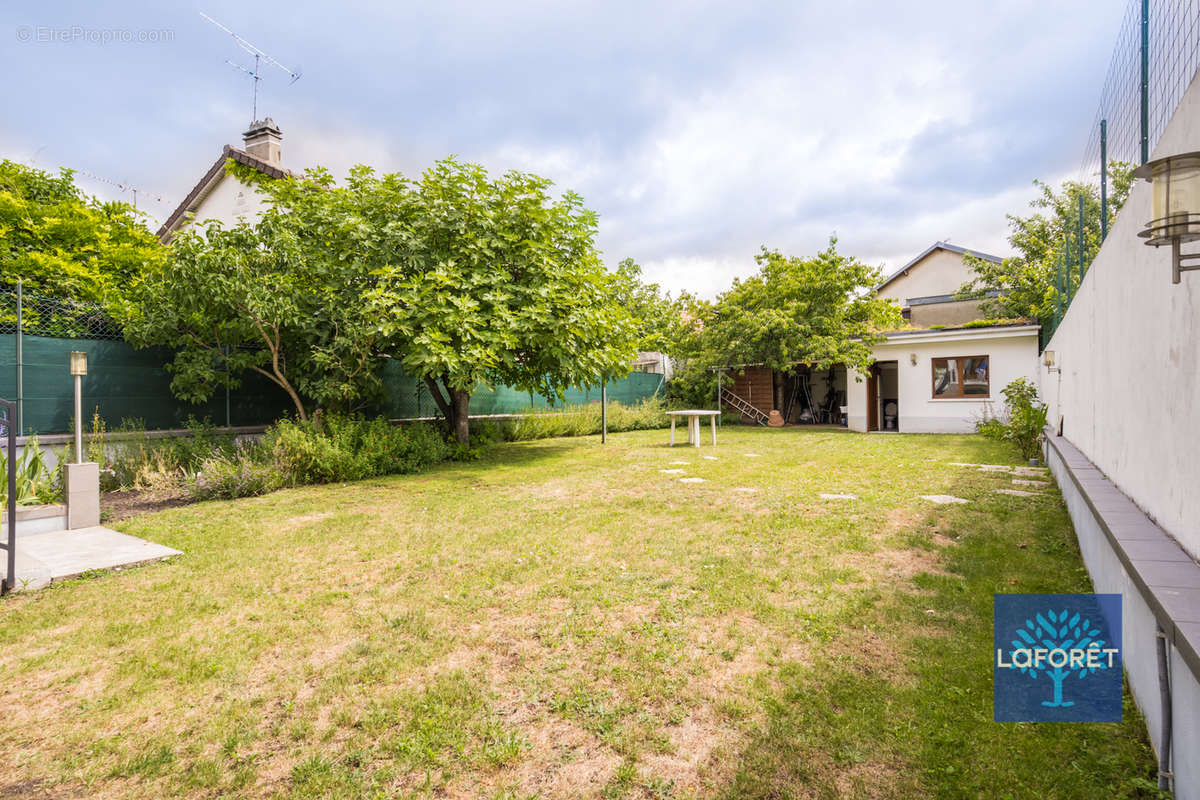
[
  {"x": 953, "y": 248},
  {"x": 210, "y": 179}
]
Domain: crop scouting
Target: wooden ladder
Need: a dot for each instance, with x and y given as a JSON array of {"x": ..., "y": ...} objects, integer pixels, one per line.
[{"x": 744, "y": 406}]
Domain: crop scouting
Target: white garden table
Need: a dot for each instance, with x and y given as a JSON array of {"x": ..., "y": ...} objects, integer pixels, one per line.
[{"x": 693, "y": 422}]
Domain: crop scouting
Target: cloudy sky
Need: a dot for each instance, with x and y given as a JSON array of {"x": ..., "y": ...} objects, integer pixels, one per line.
[{"x": 698, "y": 130}]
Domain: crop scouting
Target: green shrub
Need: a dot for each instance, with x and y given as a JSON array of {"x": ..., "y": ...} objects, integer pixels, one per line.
[
  {"x": 1023, "y": 419},
  {"x": 36, "y": 483},
  {"x": 132, "y": 459},
  {"x": 224, "y": 477},
  {"x": 582, "y": 420},
  {"x": 335, "y": 448}
]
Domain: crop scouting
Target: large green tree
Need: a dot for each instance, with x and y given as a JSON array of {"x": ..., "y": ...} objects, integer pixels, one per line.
[
  {"x": 283, "y": 297},
  {"x": 493, "y": 281},
  {"x": 63, "y": 244},
  {"x": 818, "y": 311},
  {"x": 1024, "y": 285}
]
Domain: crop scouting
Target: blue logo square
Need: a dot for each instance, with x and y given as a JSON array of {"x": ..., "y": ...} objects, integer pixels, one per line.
[{"x": 1056, "y": 657}]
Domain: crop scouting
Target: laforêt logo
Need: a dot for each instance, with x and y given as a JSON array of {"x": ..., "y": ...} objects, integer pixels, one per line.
[{"x": 1057, "y": 657}]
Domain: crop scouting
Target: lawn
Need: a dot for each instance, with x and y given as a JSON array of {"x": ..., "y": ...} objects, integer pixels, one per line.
[{"x": 563, "y": 618}]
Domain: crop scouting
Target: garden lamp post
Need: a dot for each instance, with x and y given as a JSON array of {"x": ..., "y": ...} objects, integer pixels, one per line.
[
  {"x": 1175, "y": 182},
  {"x": 78, "y": 367}
]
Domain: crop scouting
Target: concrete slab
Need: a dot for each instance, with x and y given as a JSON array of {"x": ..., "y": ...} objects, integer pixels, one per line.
[
  {"x": 43, "y": 558},
  {"x": 1029, "y": 482},
  {"x": 691, "y": 480},
  {"x": 944, "y": 499},
  {"x": 672, "y": 471},
  {"x": 830, "y": 496},
  {"x": 1015, "y": 492}
]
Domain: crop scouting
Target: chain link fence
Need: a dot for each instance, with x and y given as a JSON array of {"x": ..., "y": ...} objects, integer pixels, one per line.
[{"x": 1154, "y": 60}]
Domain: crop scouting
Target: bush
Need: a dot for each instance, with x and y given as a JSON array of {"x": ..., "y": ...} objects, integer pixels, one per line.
[
  {"x": 225, "y": 477},
  {"x": 131, "y": 459},
  {"x": 332, "y": 448},
  {"x": 583, "y": 420},
  {"x": 1022, "y": 422}
]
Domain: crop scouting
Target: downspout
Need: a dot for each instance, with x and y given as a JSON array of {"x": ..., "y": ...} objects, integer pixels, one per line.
[{"x": 1165, "y": 777}]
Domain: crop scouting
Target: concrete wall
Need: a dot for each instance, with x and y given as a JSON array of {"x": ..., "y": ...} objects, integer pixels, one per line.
[
  {"x": 940, "y": 272},
  {"x": 1128, "y": 393},
  {"x": 1012, "y": 353}
]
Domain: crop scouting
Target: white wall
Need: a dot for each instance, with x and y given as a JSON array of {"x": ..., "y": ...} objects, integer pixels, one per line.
[
  {"x": 229, "y": 201},
  {"x": 1128, "y": 393},
  {"x": 940, "y": 272},
  {"x": 1012, "y": 354}
]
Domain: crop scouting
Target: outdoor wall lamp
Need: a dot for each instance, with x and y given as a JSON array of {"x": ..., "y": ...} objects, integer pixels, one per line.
[
  {"x": 1176, "y": 207},
  {"x": 1048, "y": 361},
  {"x": 912, "y": 359},
  {"x": 77, "y": 364}
]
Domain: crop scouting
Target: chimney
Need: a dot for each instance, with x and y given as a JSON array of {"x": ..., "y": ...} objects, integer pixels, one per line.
[{"x": 264, "y": 141}]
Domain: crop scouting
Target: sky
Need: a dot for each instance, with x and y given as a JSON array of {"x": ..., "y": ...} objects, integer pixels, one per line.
[{"x": 699, "y": 131}]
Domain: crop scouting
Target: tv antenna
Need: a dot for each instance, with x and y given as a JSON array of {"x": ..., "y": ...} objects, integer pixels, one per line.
[
  {"x": 260, "y": 58},
  {"x": 124, "y": 187}
]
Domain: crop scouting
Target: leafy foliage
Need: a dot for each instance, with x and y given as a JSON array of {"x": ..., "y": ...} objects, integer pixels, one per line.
[
  {"x": 817, "y": 311},
  {"x": 491, "y": 281},
  {"x": 36, "y": 482},
  {"x": 65, "y": 245},
  {"x": 1026, "y": 282},
  {"x": 1023, "y": 420}
]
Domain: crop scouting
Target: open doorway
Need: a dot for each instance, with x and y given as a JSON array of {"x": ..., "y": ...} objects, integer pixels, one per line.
[{"x": 883, "y": 397}]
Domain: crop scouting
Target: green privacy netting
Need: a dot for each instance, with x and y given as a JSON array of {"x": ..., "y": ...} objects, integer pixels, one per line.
[{"x": 123, "y": 383}]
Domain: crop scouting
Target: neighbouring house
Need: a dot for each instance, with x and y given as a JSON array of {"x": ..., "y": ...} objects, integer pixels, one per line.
[
  {"x": 222, "y": 197},
  {"x": 925, "y": 287},
  {"x": 941, "y": 375},
  {"x": 940, "y": 381}
]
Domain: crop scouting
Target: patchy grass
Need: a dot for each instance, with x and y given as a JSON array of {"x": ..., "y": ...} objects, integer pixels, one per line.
[{"x": 562, "y": 619}]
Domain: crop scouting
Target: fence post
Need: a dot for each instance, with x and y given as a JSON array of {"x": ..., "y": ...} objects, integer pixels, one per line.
[
  {"x": 1145, "y": 81},
  {"x": 1081, "y": 241},
  {"x": 604, "y": 411},
  {"x": 1067, "y": 259},
  {"x": 20, "y": 359},
  {"x": 1103, "y": 180},
  {"x": 1058, "y": 289}
]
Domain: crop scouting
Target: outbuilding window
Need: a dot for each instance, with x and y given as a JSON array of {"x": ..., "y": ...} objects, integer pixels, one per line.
[{"x": 961, "y": 376}]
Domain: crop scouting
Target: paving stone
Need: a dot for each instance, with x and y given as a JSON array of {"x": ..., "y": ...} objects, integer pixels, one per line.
[
  {"x": 672, "y": 471},
  {"x": 1029, "y": 482},
  {"x": 752, "y": 455},
  {"x": 995, "y": 468},
  {"x": 683, "y": 463},
  {"x": 828, "y": 496},
  {"x": 745, "y": 489},
  {"x": 691, "y": 480},
  {"x": 709, "y": 458},
  {"x": 944, "y": 499},
  {"x": 46, "y": 557},
  {"x": 1031, "y": 471},
  {"x": 1015, "y": 492}
]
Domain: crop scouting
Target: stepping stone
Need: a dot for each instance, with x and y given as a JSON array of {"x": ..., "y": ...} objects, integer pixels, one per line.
[
  {"x": 691, "y": 480},
  {"x": 1027, "y": 482},
  {"x": 1015, "y": 492},
  {"x": 994, "y": 468},
  {"x": 1038, "y": 472},
  {"x": 826, "y": 496},
  {"x": 684, "y": 463},
  {"x": 752, "y": 455},
  {"x": 963, "y": 464},
  {"x": 710, "y": 458},
  {"x": 745, "y": 489},
  {"x": 672, "y": 471},
  {"x": 943, "y": 499}
]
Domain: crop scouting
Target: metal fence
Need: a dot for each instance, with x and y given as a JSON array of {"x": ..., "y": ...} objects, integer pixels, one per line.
[
  {"x": 1156, "y": 55},
  {"x": 124, "y": 383}
]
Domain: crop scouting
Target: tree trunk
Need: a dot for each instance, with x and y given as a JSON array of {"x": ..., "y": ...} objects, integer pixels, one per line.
[{"x": 460, "y": 401}]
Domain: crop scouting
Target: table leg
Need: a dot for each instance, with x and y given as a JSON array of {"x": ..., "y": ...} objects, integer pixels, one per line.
[
  {"x": 713, "y": 420},
  {"x": 696, "y": 428},
  {"x": 672, "y": 431}
]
